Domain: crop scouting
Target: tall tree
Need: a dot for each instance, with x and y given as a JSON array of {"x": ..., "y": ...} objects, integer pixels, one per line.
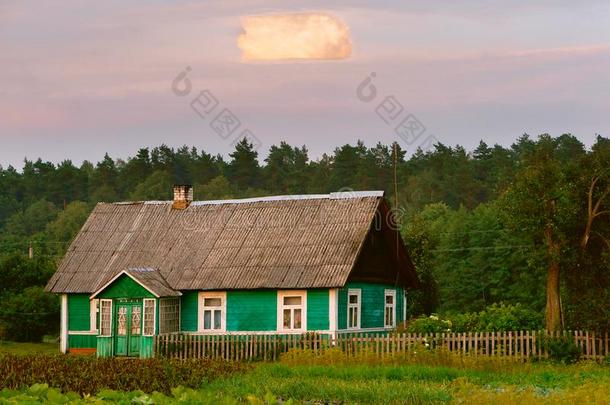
[
  {"x": 539, "y": 203},
  {"x": 244, "y": 170}
]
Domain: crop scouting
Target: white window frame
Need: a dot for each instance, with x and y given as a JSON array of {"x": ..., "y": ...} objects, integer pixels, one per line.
[
  {"x": 102, "y": 302},
  {"x": 280, "y": 310},
  {"x": 223, "y": 311},
  {"x": 154, "y": 317},
  {"x": 389, "y": 293},
  {"x": 94, "y": 308},
  {"x": 358, "y": 306}
]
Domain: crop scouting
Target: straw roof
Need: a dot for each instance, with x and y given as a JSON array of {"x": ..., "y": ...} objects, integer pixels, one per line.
[{"x": 275, "y": 242}]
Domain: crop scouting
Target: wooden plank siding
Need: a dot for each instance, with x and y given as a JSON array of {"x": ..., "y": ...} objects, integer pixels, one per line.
[
  {"x": 79, "y": 312},
  {"x": 125, "y": 287},
  {"x": 188, "y": 311},
  {"x": 372, "y": 306},
  {"x": 317, "y": 309},
  {"x": 250, "y": 311},
  {"x": 81, "y": 342}
]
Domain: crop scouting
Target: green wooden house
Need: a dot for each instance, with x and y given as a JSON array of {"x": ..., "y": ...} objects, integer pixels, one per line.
[{"x": 275, "y": 265}]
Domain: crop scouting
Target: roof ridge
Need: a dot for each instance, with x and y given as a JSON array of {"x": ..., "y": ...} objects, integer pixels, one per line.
[{"x": 288, "y": 197}]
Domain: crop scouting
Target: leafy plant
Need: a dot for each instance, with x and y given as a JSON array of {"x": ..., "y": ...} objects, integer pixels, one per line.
[
  {"x": 429, "y": 324},
  {"x": 502, "y": 317},
  {"x": 563, "y": 349}
]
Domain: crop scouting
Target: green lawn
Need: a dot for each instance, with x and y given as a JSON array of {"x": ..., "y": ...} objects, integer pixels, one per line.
[{"x": 29, "y": 348}]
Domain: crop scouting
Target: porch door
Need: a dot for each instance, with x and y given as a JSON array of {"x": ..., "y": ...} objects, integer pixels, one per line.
[{"x": 128, "y": 329}]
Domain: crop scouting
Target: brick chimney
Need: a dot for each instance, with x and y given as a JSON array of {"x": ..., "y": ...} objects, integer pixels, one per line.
[{"x": 183, "y": 196}]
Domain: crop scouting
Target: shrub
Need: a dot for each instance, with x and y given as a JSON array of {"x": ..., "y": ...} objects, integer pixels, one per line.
[
  {"x": 429, "y": 324},
  {"x": 494, "y": 318},
  {"x": 467, "y": 322},
  {"x": 502, "y": 317},
  {"x": 28, "y": 316},
  {"x": 89, "y": 375},
  {"x": 562, "y": 349}
]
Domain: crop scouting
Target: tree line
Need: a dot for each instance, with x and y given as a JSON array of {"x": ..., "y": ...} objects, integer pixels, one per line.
[{"x": 528, "y": 223}]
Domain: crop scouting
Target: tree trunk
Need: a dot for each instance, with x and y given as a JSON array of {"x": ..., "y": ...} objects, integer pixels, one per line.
[
  {"x": 553, "y": 300},
  {"x": 554, "y": 320}
]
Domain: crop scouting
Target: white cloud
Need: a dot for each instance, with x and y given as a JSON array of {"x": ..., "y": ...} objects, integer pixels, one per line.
[{"x": 294, "y": 36}]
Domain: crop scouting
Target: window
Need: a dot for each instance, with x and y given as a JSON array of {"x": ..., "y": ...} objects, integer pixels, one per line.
[
  {"x": 390, "y": 309},
  {"x": 149, "y": 317},
  {"x": 136, "y": 320},
  {"x": 292, "y": 311},
  {"x": 169, "y": 315},
  {"x": 212, "y": 312},
  {"x": 353, "y": 308},
  {"x": 94, "y": 306},
  {"x": 105, "y": 317}
]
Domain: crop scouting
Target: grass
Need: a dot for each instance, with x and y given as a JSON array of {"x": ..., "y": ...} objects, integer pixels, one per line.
[
  {"x": 29, "y": 348},
  {"x": 420, "y": 384},
  {"x": 425, "y": 378}
]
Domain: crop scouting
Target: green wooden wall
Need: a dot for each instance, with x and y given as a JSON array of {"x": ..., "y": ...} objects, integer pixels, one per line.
[
  {"x": 146, "y": 347},
  {"x": 79, "y": 315},
  {"x": 317, "y": 310},
  {"x": 188, "y": 311},
  {"x": 372, "y": 306},
  {"x": 254, "y": 310},
  {"x": 104, "y": 346},
  {"x": 82, "y": 341},
  {"x": 125, "y": 287}
]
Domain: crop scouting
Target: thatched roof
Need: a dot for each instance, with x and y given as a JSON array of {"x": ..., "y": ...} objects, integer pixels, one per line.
[{"x": 275, "y": 242}]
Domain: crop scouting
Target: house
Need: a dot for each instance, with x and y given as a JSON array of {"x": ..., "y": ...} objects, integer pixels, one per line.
[{"x": 275, "y": 265}]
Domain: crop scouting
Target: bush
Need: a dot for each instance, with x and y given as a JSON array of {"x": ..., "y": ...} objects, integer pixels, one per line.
[
  {"x": 28, "y": 316},
  {"x": 89, "y": 375},
  {"x": 429, "y": 324},
  {"x": 501, "y": 317},
  {"x": 563, "y": 349},
  {"x": 467, "y": 322},
  {"x": 494, "y": 318},
  {"x": 497, "y": 318}
]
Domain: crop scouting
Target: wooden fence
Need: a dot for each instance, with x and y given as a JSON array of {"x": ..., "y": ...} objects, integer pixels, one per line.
[{"x": 519, "y": 345}]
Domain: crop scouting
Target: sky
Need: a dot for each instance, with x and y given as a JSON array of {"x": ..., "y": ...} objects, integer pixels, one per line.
[{"x": 79, "y": 79}]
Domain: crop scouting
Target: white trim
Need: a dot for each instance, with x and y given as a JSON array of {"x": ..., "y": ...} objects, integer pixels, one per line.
[
  {"x": 275, "y": 333},
  {"x": 113, "y": 279},
  {"x": 154, "y": 328},
  {"x": 280, "y": 310},
  {"x": 110, "y": 315},
  {"x": 93, "y": 311},
  {"x": 223, "y": 311},
  {"x": 346, "y": 331},
  {"x": 259, "y": 333},
  {"x": 134, "y": 279},
  {"x": 358, "y": 306},
  {"x": 331, "y": 196},
  {"x": 82, "y": 332},
  {"x": 63, "y": 324},
  {"x": 333, "y": 306},
  {"x": 404, "y": 308},
  {"x": 389, "y": 293}
]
